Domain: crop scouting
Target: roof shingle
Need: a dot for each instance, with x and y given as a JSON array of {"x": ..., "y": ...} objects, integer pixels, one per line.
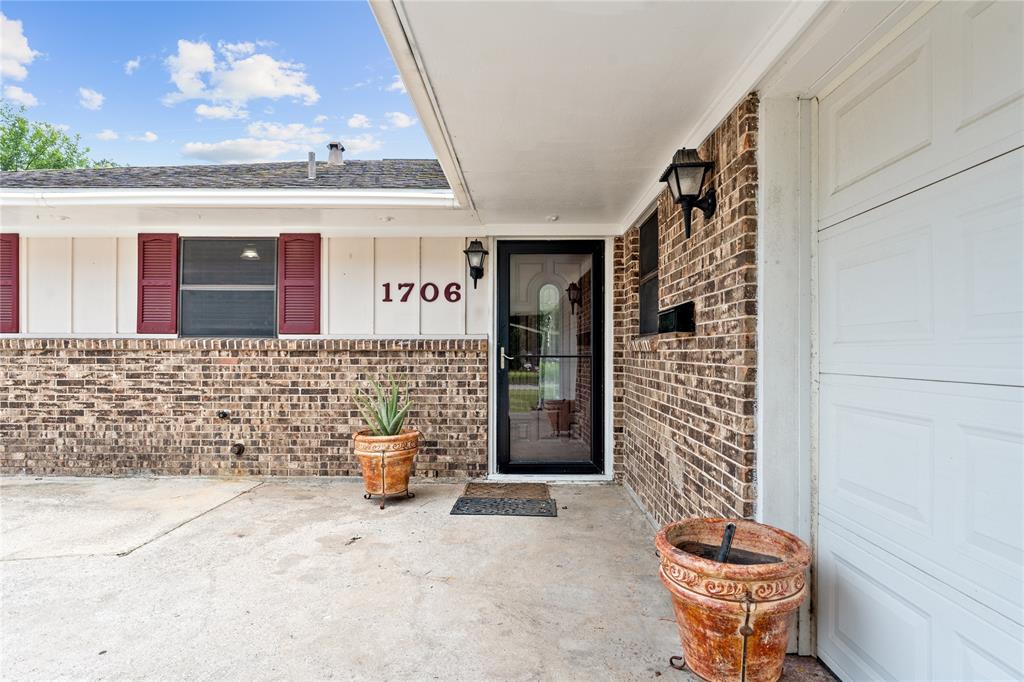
[{"x": 382, "y": 174}]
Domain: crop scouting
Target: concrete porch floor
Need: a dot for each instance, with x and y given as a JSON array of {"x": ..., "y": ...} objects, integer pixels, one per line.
[{"x": 192, "y": 578}]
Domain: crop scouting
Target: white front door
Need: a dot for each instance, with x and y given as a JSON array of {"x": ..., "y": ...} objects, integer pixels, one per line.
[{"x": 921, "y": 339}]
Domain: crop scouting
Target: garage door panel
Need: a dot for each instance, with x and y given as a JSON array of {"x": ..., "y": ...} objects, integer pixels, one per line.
[
  {"x": 931, "y": 472},
  {"x": 989, "y": 466},
  {"x": 992, "y": 244},
  {"x": 989, "y": 80},
  {"x": 886, "y": 118},
  {"x": 930, "y": 286},
  {"x": 882, "y": 619},
  {"x": 971, "y": 659},
  {"x": 939, "y": 98},
  {"x": 881, "y": 632}
]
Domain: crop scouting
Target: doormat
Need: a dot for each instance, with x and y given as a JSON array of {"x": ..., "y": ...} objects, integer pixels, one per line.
[
  {"x": 519, "y": 491},
  {"x": 503, "y": 506},
  {"x": 505, "y": 499}
]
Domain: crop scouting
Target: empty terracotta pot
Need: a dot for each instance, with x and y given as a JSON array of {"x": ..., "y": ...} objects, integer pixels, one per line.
[
  {"x": 733, "y": 618},
  {"x": 386, "y": 462}
]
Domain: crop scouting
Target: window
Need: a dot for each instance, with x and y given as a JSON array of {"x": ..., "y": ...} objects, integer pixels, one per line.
[
  {"x": 649, "y": 275},
  {"x": 228, "y": 287}
]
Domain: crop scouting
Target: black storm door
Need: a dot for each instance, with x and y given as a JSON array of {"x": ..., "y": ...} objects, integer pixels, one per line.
[{"x": 550, "y": 352}]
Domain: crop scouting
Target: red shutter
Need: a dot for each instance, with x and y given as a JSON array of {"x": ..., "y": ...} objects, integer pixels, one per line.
[
  {"x": 298, "y": 284},
  {"x": 8, "y": 283},
  {"x": 158, "y": 284}
]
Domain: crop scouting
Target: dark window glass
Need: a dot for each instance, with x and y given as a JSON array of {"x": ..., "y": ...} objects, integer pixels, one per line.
[
  {"x": 649, "y": 307},
  {"x": 649, "y": 275},
  {"x": 222, "y": 312},
  {"x": 228, "y": 287},
  {"x": 228, "y": 261}
]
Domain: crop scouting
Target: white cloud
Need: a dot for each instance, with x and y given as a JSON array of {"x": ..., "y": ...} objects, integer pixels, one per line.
[
  {"x": 145, "y": 137},
  {"x": 235, "y": 51},
  {"x": 241, "y": 150},
  {"x": 132, "y": 65},
  {"x": 266, "y": 141},
  {"x": 320, "y": 119},
  {"x": 220, "y": 112},
  {"x": 19, "y": 96},
  {"x": 396, "y": 85},
  {"x": 198, "y": 74},
  {"x": 15, "y": 53},
  {"x": 263, "y": 76},
  {"x": 192, "y": 60},
  {"x": 358, "y": 121},
  {"x": 399, "y": 120},
  {"x": 291, "y": 132},
  {"x": 107, "y": 135},
  {"x": 90, "y": 99},
  {"x": 363, "y": 143}
]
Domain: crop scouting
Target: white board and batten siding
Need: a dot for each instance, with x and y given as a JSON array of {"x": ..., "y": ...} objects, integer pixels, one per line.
[
  {"x": 82, "y": 285},
  {"x": 360, "y": 267},
  {"x": 86, "y": 286},
  {"x": 921, "y": 353}
]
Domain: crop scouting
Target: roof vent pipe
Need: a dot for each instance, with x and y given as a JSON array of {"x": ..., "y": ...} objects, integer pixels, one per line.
[
  {"x": 312, "y": 165},
  {"x": 334, "y": 153}
]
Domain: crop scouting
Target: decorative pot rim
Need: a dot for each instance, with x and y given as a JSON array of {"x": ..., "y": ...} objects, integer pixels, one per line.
[
  {"x": 796, "y": 557},
  {"x": 367, "y": 435}
]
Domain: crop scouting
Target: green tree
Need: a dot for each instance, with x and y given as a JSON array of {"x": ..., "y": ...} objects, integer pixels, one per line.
[{"x": 34, "y": 145}]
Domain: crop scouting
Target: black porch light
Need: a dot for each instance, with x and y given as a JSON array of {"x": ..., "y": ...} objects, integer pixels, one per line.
[
  {"x": 475, "y": 254},
  {"x": 575, "y": 296},
  {"x": 685, "y": 178}
]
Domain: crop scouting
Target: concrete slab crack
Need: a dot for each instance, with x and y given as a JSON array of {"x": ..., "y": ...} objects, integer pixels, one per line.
[{"x": 190, "y": 520}]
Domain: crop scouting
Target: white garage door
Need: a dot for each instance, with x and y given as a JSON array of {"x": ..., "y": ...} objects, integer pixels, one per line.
[{"x": 921, "y": 338}]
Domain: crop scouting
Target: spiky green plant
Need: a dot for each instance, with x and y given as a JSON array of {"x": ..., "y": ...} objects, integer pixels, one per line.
[{"x": 384, "y": 412}]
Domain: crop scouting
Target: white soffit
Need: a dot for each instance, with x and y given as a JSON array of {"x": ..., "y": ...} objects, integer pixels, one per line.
[{"x": 574, "y": 108}]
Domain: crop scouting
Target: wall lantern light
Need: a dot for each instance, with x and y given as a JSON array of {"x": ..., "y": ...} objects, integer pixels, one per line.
[
  {"x": 575, "y": 295},
  {"x": 475, "y": 254},
  {"x": 685, "y": 178}
]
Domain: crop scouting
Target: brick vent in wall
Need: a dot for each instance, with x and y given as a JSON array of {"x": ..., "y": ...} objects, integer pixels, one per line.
[
  {"x": 684, "y": 403},
  {"x": 134, "y": 406}
]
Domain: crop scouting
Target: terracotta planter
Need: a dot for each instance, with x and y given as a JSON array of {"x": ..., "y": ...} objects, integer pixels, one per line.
[
  {"x": 733, "y": 617},
  {"x": 386, "y": 462},
  {"x": 558, "y": 414}
]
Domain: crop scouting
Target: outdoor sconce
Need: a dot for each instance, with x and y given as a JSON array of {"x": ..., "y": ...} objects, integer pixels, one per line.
[
  {"x": 475, "y": 254},
  {"x": 575, "y": 296},
  {"x": 685, "y": 178}
]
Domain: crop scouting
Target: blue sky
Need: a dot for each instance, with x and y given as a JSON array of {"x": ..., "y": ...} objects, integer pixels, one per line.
[{"x": 152, "y": 83}]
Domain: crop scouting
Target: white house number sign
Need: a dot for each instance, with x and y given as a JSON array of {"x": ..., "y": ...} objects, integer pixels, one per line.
[{"x": 428, "y": 291}]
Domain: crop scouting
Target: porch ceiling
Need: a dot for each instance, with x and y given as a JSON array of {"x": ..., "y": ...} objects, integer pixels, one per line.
[{"x": 574, "y": 108}]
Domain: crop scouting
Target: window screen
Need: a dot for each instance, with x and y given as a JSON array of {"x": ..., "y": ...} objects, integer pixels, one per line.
[
  {"x": 228, "y": 287},
  {"x": 649, "y": 275}
]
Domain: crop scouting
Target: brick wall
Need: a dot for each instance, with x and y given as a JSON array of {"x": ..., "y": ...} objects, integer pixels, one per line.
[
  {"x": 684, "y": 403},
  {"x": 128, "y": 406},
  {"x": 583, "y": 408}
]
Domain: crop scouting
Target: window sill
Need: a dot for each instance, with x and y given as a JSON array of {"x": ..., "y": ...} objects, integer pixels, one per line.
[{"x": 654, "y": 342}]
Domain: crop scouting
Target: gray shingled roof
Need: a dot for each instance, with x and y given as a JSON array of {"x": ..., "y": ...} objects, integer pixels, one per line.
[{"x": 383, "y": 174}]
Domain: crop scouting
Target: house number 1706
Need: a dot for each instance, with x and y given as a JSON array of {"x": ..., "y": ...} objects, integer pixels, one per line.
[{"x": 429, "y": 291}]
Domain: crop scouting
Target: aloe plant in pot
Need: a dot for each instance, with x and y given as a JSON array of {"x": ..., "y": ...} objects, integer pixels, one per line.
[{"x": 385, "y": 448}]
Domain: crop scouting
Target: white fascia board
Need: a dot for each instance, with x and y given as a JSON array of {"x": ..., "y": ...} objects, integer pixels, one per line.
[
  {"x": 401, "y": 42},
  {"x": 254, "y": 198}
]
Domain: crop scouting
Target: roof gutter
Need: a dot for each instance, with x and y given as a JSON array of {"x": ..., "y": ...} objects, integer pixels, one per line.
[{"x": 239, "y": 198}]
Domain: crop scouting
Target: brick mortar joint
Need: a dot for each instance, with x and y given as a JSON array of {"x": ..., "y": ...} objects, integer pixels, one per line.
[{"x": 279, "y": 344}]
